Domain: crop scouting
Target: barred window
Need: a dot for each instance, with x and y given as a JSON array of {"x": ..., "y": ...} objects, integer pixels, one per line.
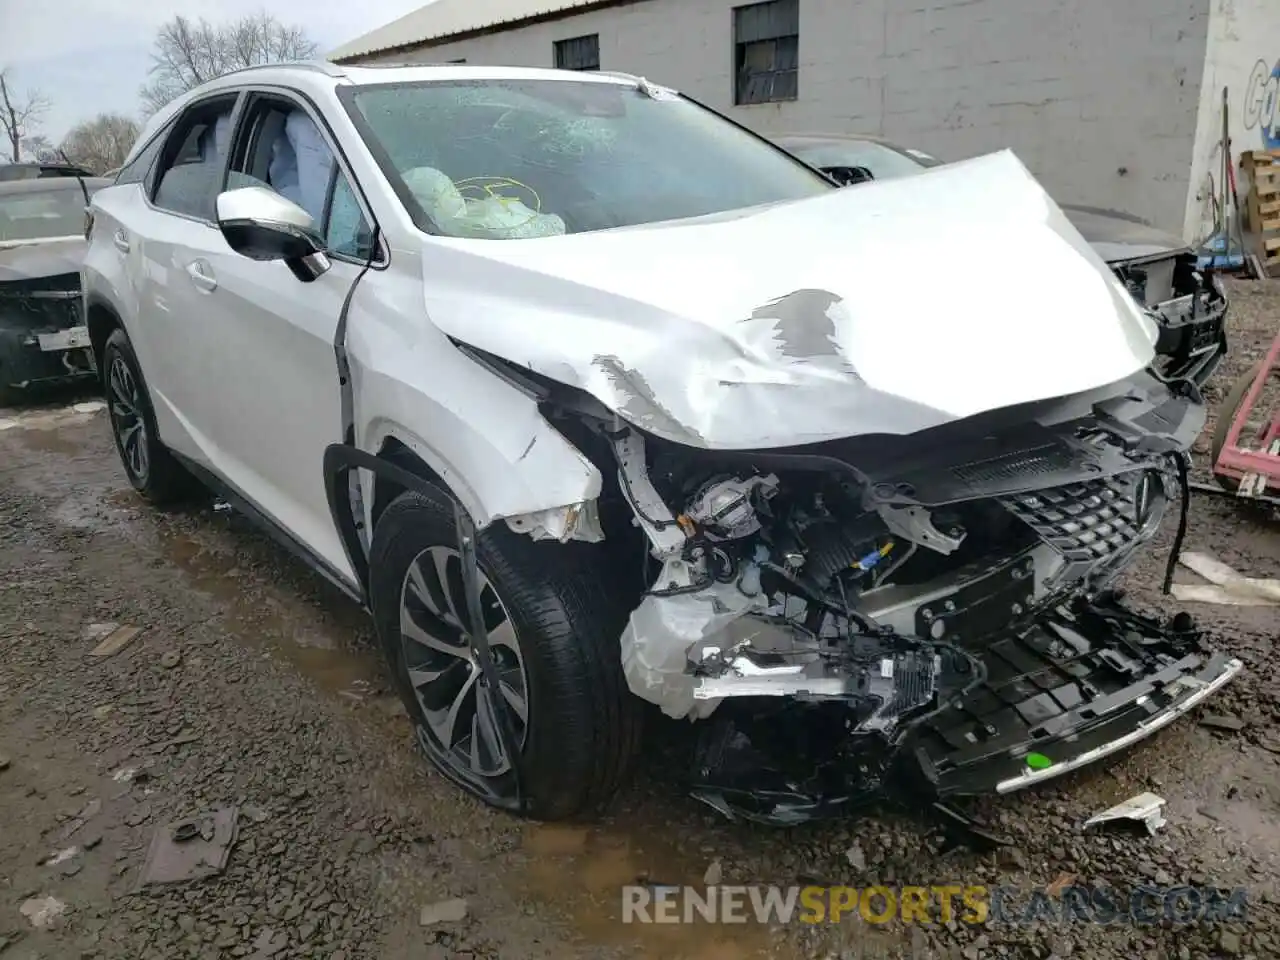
[
  {"x": 766, "y": 44},
  {"x": 578, "y": 53}
]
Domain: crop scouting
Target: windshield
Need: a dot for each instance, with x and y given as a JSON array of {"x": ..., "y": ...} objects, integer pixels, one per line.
[
  {"x": 38, "y": 214},
  {"x": 505, "y": 159},
  {"x": 884, "y": 162}
]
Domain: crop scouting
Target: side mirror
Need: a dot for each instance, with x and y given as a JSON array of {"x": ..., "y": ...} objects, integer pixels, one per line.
[
  {"x": 845, "y": 176},
  {"x": 260, "y": 224}
]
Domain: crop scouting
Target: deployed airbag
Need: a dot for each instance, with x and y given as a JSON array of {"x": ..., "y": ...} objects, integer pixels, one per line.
[
  {"x": 489, "y": 217},
  {"x": 301, "y": 165}
]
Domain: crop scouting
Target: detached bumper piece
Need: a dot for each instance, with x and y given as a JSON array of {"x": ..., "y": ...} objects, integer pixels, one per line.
[
  {"x": 1083, "y": 682},
  {"x": 1192, "y": 312}
]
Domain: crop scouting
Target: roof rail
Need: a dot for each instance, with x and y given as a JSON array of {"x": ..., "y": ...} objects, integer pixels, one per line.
[
  {"x": 399, "y": 64},
  {"x": 328, "y": 68},
  {"x": 620, "y": 74}
]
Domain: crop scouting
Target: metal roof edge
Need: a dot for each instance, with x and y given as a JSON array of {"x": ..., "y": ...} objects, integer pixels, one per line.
[{"x": 498, "y": 26}]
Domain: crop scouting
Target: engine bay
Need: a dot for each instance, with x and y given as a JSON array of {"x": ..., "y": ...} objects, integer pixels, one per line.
[
  {"x": 802, "y": 584},
  {"x": 922, "y": 621}
]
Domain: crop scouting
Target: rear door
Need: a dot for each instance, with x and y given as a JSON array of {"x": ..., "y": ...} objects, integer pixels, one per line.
[
  {"x": 267, "y": 399},
  {"x": 113, "y": 265},
  {"x": 177, "y": 234}
]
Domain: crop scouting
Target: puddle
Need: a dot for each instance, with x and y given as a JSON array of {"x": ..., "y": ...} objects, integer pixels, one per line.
[
  {"x": 85, "y": 511},
  {"x": 46, "y": 419},
  {"x": 320, "y": 654},
  {"x": 581, "y": 872},
  {"x": 49, "y": 441}
]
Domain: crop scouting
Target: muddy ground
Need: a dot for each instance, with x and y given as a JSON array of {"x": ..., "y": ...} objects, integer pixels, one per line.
[{"x": 252, "y": 683}]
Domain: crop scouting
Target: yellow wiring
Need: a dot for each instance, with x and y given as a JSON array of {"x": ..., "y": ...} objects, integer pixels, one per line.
[{"x": 489, "y": 187}]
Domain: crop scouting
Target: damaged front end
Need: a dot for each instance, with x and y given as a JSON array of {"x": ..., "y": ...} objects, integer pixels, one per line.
[
  {"x": 42, "y": 335},
  {"x": 929, "y": 613}
]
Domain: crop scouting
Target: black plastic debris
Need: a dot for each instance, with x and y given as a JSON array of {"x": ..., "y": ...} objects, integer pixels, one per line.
[{"x": 191, "y": 849}]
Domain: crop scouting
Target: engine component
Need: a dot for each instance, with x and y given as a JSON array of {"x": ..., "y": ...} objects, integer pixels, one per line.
[
  {"x": 833, "y": 547},
  {"x": 651, "y": 513},
  {"x": 916, "y": 524},
  {"x": 724, "y": 507},
  {"x": 882, "y": 689}
]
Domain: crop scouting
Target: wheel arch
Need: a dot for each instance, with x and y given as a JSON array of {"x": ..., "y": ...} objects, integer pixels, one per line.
[
  {"x": 101, "y": 318},
  {"x": 387, "y": 486},
  {"x": 398, "y": 465}
]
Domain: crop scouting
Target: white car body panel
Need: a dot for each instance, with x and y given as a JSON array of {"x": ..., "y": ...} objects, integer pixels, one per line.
[
  {"x": 220, "y": 363},
  {"x": 687, "y": 331},
  {"x": 655, "y": 321},
  {"x": 485, "y": 438}
]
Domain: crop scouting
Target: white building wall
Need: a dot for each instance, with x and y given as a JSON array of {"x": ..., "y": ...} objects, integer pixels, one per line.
[
  {"x": 1098, "y": 99},
  {"x": 1243, "y": 57}
]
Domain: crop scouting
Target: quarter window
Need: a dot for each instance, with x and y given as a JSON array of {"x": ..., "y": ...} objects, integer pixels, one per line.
[{"x": 136, "y": 170}]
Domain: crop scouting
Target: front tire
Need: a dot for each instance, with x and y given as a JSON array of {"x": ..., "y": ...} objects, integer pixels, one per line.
[
  {"x": 152, "y": 470},
  {"x": 554, "y": 629}
]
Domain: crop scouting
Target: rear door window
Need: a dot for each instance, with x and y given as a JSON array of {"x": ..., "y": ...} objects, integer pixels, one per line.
[{"x": 194, "y": 159}]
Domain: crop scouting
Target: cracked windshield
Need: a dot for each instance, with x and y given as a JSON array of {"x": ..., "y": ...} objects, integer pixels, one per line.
[{"x": 517, "y": 159}]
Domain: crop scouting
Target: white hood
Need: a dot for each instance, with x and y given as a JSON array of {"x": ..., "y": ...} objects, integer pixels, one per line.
[{"x": 888, "y": 308}]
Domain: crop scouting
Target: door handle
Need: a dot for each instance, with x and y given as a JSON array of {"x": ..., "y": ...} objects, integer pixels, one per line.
[
  {"x": 121, "y": 241},
  {"x": 200, "y": 276}
]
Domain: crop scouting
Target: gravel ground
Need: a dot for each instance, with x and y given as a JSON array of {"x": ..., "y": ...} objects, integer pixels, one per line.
[{"x": 251, "y": 683}]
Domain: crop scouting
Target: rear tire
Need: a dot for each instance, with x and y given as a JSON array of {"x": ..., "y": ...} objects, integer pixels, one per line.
[
  {"x": 554, "y": 624},
  {"x": 152, "y": 470}
]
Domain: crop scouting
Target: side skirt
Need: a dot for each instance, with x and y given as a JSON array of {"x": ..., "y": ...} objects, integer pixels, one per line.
[{"x": 274, "y": 530}]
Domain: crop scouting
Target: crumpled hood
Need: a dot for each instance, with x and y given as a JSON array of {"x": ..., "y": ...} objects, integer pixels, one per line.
[
  {"x": 876, "y": 310},
  {"x": 33, "y": 259},
  {"x": 1118, "y": 237}
]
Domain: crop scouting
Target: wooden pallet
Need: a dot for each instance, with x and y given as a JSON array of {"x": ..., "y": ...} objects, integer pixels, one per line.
[{"x": 1263, "y": 168}]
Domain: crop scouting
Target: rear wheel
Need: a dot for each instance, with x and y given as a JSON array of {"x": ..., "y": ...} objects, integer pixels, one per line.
[
  {"x": 152, "y": 470},
  {"x": 553, "y": 628}
]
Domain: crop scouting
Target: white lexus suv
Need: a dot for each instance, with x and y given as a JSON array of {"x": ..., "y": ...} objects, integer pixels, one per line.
[{"x": 595, "y": 398}]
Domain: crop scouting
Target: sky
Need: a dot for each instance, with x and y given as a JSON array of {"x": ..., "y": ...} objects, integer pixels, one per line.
[{"x": 91, "y": 56}]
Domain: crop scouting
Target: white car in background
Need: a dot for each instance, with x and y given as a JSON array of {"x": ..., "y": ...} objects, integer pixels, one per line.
[{"x": 585, "y": 427}]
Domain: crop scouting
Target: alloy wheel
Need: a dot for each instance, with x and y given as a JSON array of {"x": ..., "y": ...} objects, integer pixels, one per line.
[
  {"x": 127, "y": 420},
  {"x": 461, "y": 730}
]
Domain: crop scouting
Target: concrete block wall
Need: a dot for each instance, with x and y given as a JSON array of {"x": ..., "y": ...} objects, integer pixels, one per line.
[{"x": 1098, "y": 100}]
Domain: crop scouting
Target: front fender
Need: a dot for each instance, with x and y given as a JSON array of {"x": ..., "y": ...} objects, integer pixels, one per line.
[{"x": 494, "y": 480}]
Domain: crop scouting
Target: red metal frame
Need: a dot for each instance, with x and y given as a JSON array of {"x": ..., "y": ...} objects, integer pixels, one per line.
[{"x": 1235, "y": 462}]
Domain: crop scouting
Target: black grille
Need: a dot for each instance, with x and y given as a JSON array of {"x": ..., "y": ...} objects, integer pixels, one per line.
[
  {"x": 1014, "y": 466},
  {"x": 1089, "y": 521}
]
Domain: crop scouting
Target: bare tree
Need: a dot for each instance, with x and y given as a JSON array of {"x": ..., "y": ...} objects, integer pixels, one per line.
[
  {"x": 36, "y": 146},
  {"x": 101, "y": 144},
  {"x": 19, "y": 116},
  {"x": 190, "y": 52}
]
